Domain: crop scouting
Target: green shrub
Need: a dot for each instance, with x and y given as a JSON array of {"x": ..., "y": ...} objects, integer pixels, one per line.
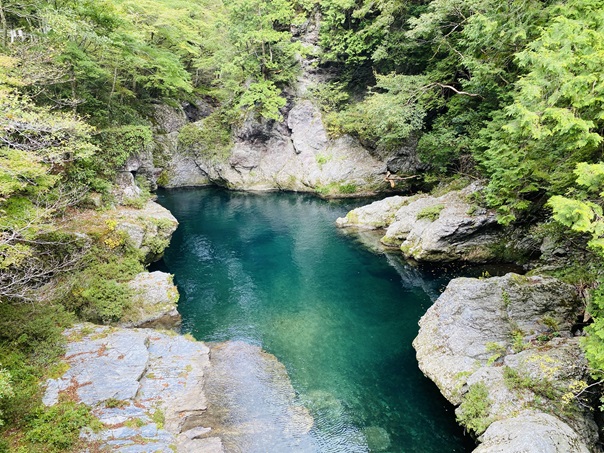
[
  {"x": 431, "y": 213},
  {"x": 210, "y": 139},
  {"x": 118, "y": 144},
  {"x": 98, "y": 292},
  {"x": 58, "y": 427},
  {"x": 31, "y": 340},
  {"x": 474, "y": 410},
  {"x": 106, "y": 300},
  {"x": 541, "y": 387},
  {"x": 347, "y": 188}
]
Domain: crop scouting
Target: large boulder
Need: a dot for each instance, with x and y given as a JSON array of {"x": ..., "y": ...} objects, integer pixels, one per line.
[
  {"x": 433, "y": 228},
  {"x": 148, "y": 229},
  {"x": 531, "y": 432},
  {"x": 145, "y": 387},
  {"x": 511, "y": 338},
  {"x": 153, "y": 302}
]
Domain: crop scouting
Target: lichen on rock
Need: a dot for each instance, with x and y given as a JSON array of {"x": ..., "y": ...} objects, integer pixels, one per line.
[
  {"x": 433, "y": 228},
  {"x": 153, "y": 303},
  {"x": 161, "y": 392},
  {"x": 511, "y": 335}
]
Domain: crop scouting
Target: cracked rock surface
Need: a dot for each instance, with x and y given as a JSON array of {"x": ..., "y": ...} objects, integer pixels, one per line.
[
  {"x": 432, "y": 229},
  {"x": 157, "y": 391},
  {"x": 511, "y": 335},
  {"x": 145, "y": 386}
]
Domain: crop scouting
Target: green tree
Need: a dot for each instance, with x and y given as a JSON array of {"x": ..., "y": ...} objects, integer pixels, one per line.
[{"x": 531, "y": 147}]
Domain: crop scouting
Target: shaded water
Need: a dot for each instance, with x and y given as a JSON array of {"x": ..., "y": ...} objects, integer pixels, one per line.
[{"x": 272, "y": 270}]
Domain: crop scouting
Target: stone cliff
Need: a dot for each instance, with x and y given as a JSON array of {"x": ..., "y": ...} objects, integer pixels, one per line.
[{"x": 502, "y": 349}]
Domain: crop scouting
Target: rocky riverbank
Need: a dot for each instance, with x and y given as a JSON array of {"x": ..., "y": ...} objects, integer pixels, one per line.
[
  {"x": 502, "y": 350},
  {"x": 437, "y": 229},
  {"x": 156, "y": 391}
]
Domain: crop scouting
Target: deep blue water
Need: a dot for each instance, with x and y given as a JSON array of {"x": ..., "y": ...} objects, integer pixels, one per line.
[{"x": 273, "y": 270}]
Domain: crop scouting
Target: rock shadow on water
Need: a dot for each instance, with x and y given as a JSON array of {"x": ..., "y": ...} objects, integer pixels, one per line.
[{"x": 252, "y": 405}]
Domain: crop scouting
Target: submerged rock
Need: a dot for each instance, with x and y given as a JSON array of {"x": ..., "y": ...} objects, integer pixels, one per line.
[
  {"x": 252, "y": 405},
  {"x": 433, "y": 229},
  {"x": 511, "y": 337}
]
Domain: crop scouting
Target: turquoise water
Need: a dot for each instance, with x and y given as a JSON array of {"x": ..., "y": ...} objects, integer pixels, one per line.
[{"x": 273, "y": 270}]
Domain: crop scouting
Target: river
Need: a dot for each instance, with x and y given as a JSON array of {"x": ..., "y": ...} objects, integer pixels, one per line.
[{"x": 274, "y": 271}]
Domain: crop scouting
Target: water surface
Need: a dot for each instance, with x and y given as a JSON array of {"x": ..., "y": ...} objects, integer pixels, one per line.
[{"x": 272, "y": 270}]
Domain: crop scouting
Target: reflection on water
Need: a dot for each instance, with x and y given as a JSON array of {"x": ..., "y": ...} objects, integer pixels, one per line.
[{"x": 272, "y": 270}]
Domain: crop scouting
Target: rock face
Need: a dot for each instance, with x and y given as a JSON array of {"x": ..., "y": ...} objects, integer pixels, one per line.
[
  {"x": 432, "y": 229},
  {"x": 159, "y": 392},
  {"x": 295, "y": 154},
  {"x": 146, "y": 388},
  {"x": 511, "y": 336},
  {"x": 149, "y": 229},
  {"x": 154, "y": 302}
]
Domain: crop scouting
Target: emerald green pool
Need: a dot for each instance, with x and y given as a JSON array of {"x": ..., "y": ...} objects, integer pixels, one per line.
[{"x": 273, "y": 270}]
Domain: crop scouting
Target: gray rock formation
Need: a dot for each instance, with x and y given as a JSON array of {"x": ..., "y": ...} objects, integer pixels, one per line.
[
  {"x": 146, "y": 387},
  {"x": 511, "y": 335},
  {"x": 531, "y": 432},
  {"x": 432, "y": 229},
  {"x": 293, "y": 154},
  {"x": 154, "y": 302},
  {"x": 160, "y": 392},
  {"x": 149, "y": 229},
  {"x": 252, "y": 405}
]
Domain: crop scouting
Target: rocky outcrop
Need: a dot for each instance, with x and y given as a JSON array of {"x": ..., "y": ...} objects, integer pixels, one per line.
[
  {"x": 511, "y": 338},
  {"x": 153, "y": 302},
  {"x": 148, "y": 229},
  {"x": 145, "y": 387},
  {"x": 295, "y": 154},
  {"x": 433, "y": 229},
  {"x": 160, "y": 392},
  {"x": 252, "y": 405}
]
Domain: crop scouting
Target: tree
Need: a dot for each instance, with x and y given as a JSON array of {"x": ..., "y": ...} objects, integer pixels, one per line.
[
  {"x": 530, "y": 148},
  {"x": 36, "y": 146}
]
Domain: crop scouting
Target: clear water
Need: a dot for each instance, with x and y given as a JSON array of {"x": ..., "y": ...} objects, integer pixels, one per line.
[{"x": 274, "y": 271}]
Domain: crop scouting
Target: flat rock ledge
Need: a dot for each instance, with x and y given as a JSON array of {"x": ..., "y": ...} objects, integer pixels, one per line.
[
  {"x": 432, "y": 229},
  {"x": 508, "y": 339},
  {"x": 156, "y": 391},
  {"x": 146, "y": 388}
]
